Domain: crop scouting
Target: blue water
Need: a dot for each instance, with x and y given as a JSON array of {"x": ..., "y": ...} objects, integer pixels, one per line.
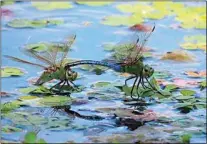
[{"x": 87, "y": 46}]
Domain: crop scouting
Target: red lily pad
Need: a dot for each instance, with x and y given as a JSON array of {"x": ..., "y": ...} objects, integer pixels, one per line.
[
  {"x": 141, "y": 27},
  {"x": 6, "y": 12}
]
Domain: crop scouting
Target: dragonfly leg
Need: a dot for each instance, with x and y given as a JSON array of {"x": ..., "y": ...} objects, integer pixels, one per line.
[
  {"x": 62, "y": 85},
  {"x": 153, "y": 87},
  {"x": 131, "y": 77},
  {"x": 138, "y": 87},
  {"x": 56, "y": 85},
  {"x": 133, "y": 88},
  {"x": 143, "y": 84}
]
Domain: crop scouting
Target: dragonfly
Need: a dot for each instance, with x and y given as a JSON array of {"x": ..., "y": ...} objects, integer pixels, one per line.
[
  {"x": 128, "y": 60},
  {"x": 52, "y": 62}
]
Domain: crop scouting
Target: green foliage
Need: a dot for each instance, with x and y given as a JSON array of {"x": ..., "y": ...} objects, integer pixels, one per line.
[
  {"x": 9, "y": 106},
  {"x": 186, "y": 138},
  {"x": 11, "y": 72},
  {"x": 26, "y": 23},
  {"x": 31, "y": 137},
  {"x": 202, "y": 85}
]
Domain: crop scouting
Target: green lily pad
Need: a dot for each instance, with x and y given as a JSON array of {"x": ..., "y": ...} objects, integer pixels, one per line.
[
  {"x": 187, "y": 92},
  {"x": 27, "y": 97},
  {"x": 98, "y": 70},
  {"x": 55, "y": 101},
  {"x": 170, "y": 87},
  {"x": 93, "y": 3},
  {"x": 5, "y": 2},
  {"x": 202, "y": 85},
  {"x": 45, "y": 46},
  {"x": 101, "y": 84},
  {"x": 10, "y": 129},
  {"x": 161, "y": 74},
  {"x": 47, "y": 6},
  {"x": 30, "y": 137},
  {"x": 11, "y": 72},
  {"x": 9, "y": 106},
  {"x": 24, "y": 118},
  {"x": 186, "y": 138},
  {"x": 35, "y": 90},
  {"x": 26, "y": 23},
  {"x": 184, "y": 97}
]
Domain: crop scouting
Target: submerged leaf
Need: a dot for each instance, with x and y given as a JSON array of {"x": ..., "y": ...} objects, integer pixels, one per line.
[{"x": 11, "y": 72}]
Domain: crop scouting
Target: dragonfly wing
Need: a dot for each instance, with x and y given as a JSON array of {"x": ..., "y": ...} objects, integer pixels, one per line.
[
  {"x": 23, "y": 61},
  {"x": 66, "y": 47}
]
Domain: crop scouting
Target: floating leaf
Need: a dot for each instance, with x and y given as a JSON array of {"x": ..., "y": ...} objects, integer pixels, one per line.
[
  {"x": 26, "y": 23},
  {"x": 55, "y": 101},
  {"x": 27, "y": 97},
  {"x": 196, "y": 74},
  {"x": 35, "y": 90},
  {"x": 10, "y": 129},
  {"x": 9, "y": 106},
  {"x": 194, "y": 42},
  {"x": 98, "y": 70},
  {"x": 187, "y": 92},
  {"x": 170, "y": 87},
  {"x": 93, "y": 3},
  {"x": 178, "y": 55},
  {"x": 24, "y": 118},
  {"x": 186, "y": 138},
  {"x": 117, "y": 20},
  {"x": 141, "y": 27},
  {"x": 30, "y": 137},
  {"x": 161, "y": 74},
  {"x": 101, "y": 84},
  {"x": 51, "y": 5},
  {"x": 203, "y": 85},
  {"x": 11, "y": 72},
  {"x": 6, "y": 2}
]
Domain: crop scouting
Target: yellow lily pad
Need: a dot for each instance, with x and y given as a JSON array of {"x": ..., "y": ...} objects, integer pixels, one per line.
[
  {"x": 11, "y": 72},
  {"x": 94, "y": 3},
  {"x": 194, "y": 42},
  {"x": 51, "y": 5},
  {"x": 178, "y": 55}
]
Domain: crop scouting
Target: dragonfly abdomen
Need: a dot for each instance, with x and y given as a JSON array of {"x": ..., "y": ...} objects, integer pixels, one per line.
[{"x": 113, "y": 66}]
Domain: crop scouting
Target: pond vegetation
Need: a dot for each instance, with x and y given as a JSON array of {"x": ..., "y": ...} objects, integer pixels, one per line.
[{"x": 166, "y": 103}]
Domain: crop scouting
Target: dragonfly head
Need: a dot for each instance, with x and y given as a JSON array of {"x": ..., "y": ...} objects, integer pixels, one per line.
[
  {"x": 45, "y": 77},
  {"x": 148, "y": 71},
  {"x": 72, "y": 75}
]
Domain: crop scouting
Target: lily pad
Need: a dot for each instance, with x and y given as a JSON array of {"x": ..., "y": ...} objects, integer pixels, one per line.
[
  {"x": 55, "y": 101},
  {"x": 26, "y": 23},
  {"x": 30, "y": 137},
  {"x": 170, "y": 87},
  {"x": 27, "y": 98},
  {"x": 196, "y": 74},
  {"x": 47, "y": 6},
  {"x": 93, "y": 3},
  {"x": 35, "y": 90},
  {"x": 10, "y": 129},
  {"x": 11, "y": 72},
  {"x": 178, "y": 55},
  {"x": 194, "y": 42},
  {"x": 5, "y": 2},
  {"x": 9, "y": 106},
  {"x": 187, "y": 92},
  {"x": 101, "y": 84},
  {"x": 162, "y": 74},
  {"x": 24, "y": 118},
  {"x": 203, "y": 85},
  {"x": 98, "y": 70}
]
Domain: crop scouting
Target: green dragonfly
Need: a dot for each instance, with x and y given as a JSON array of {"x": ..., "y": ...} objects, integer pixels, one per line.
[
  {"x": 129, "y": 60},
  {"x": 52, "y": 61}
]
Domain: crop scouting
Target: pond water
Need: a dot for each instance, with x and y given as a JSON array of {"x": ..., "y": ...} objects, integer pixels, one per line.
[{"x": 91, "y": 34}]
